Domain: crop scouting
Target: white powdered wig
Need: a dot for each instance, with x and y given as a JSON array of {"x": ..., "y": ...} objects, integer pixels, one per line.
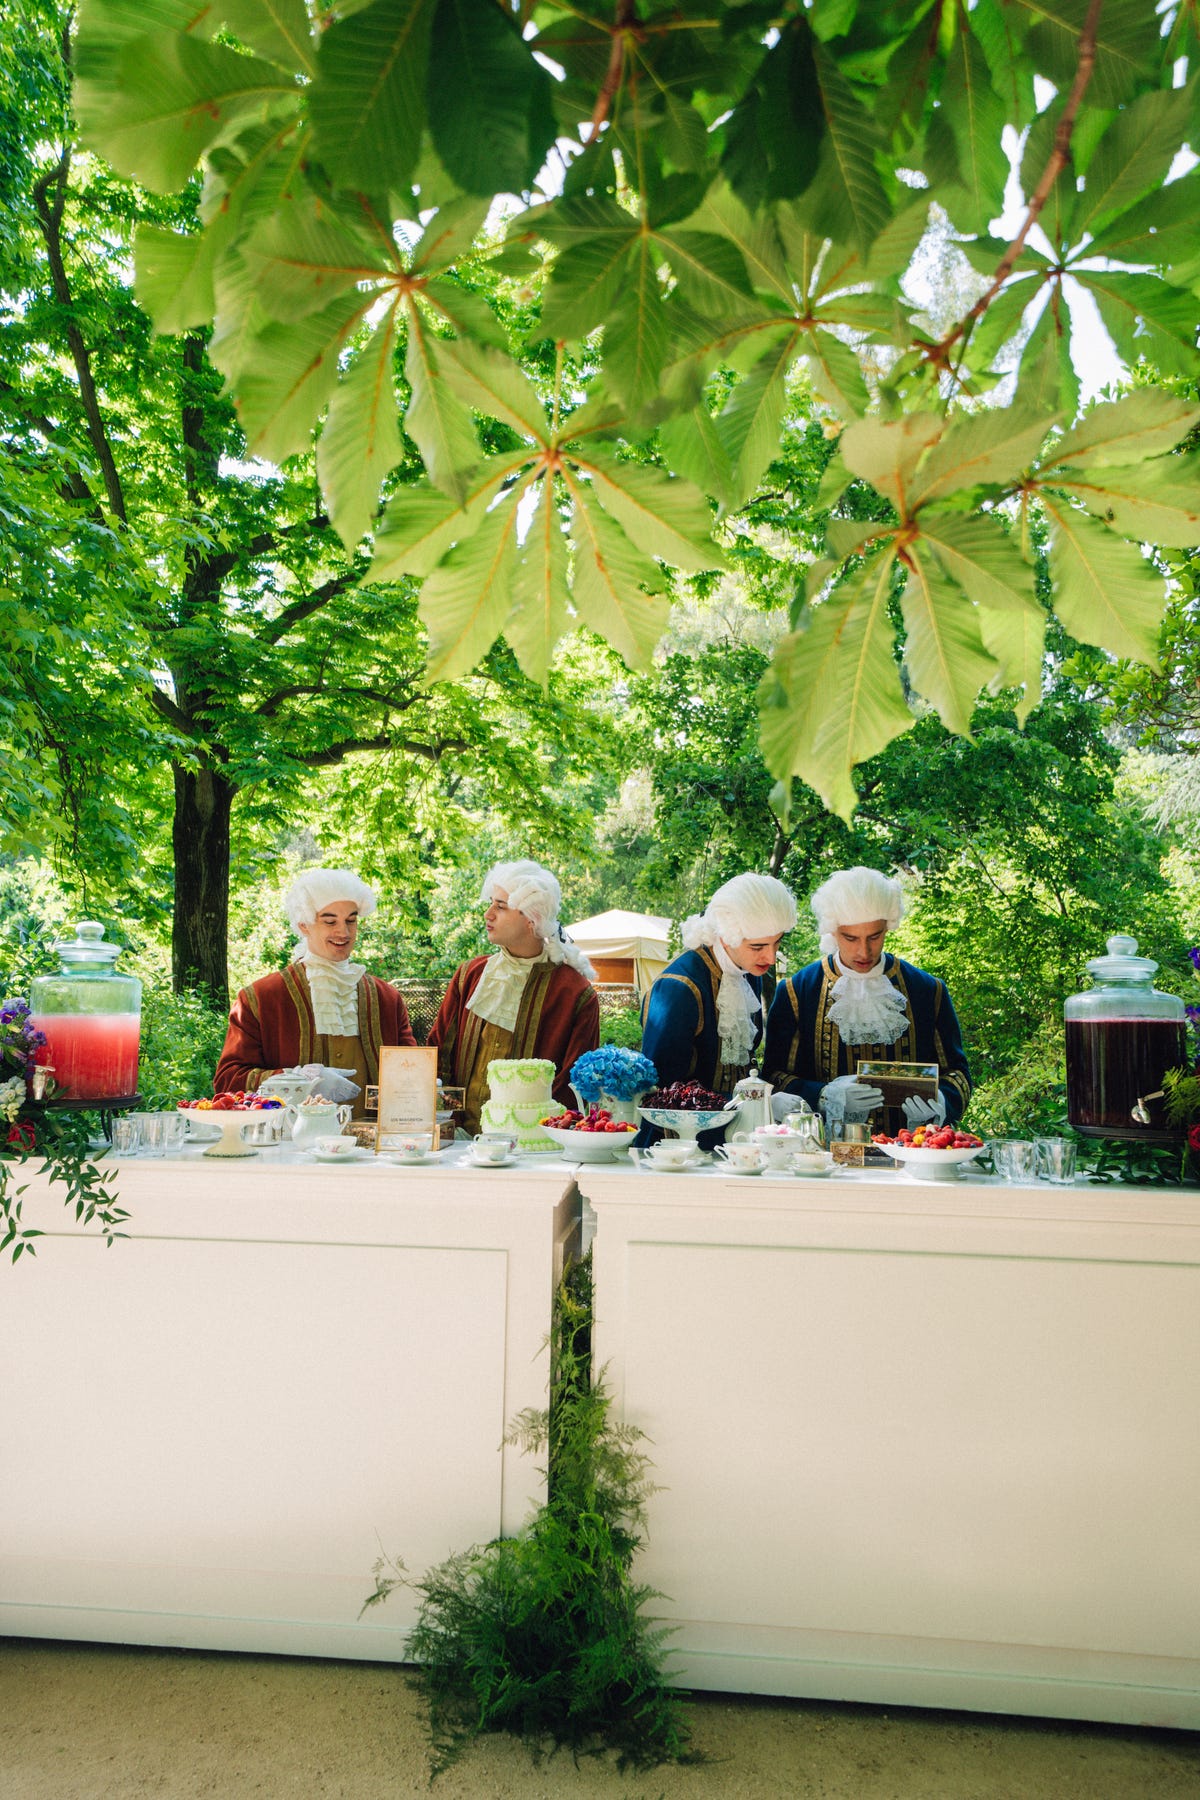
[
  {"x": 534, "y": 891},
  {"x": 314, "y": 889},
  {"x": 748, "y": 906},
  {"x": 855, "y": 897}
]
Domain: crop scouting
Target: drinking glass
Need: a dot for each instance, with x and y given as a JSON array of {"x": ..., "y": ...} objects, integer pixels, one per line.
[
  {"x": 1019, "y": 1160},
  {"x": 1056, "y": 1159},
  {"x": 153, "y": 1132},
  {"x": 126, "y": 1136},
  {"x": 174, "y": 1133}
]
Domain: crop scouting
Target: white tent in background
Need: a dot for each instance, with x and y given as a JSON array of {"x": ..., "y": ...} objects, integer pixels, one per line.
[{"x": 624, "y": 946}]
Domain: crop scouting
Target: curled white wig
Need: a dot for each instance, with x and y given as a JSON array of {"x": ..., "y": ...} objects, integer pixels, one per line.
[
  {"x": 535, "y": 892},
  {"x": 748, "y": 906},
  {"x": 314, "y": 889},
  {"x": 855, "y": 897}
]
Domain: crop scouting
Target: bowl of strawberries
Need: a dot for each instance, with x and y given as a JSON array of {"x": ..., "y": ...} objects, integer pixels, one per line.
[
  {"x": 937, "y": 1151},
  {"x": 589, "y": 1137}
]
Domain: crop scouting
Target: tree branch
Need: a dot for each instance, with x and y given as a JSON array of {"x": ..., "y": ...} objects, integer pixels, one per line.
[
  {"x": 1058, "y": 160},
  {"x": 268, "y": 708},
  {"x": 50, "y": 211},
  {"x": 173, "y": 714},
  {"x": 72, "y": 485},
  {"x": 299, "y": 610},
  {"x": 336, "y": 753},
  {"x": 264, "y": 543},
  {"x": 612, "y": 75}
]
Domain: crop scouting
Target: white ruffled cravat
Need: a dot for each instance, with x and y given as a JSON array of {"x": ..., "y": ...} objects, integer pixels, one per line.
[
  {"x": 867, "y": 1009},
  {"x": 497, "y": 998},
  {"x": 334, "y": 990},
  {"x": 738, "y": 1007}
]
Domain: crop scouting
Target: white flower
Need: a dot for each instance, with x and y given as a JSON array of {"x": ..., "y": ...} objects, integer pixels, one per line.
[{"x": 12, "y": 1098}]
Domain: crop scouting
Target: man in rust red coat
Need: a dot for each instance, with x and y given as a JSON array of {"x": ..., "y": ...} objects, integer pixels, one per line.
[
  {"x": 323, "y": 1010},
  {"x": 532, "y": 996}
]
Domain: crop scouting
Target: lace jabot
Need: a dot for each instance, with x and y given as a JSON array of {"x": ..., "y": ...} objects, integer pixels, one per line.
[
  {"x": 738, "y": 1007},
  {"x": 497, "y": 997},
  {"x": 867, "y": 1009},
  {"x": 334, "y": 990}
]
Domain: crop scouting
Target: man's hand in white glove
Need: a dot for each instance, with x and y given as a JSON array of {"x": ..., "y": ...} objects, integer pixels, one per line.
[
  {"x": 919, "y": 1111},
  {"x": 784, "y": 1105},
  {"x": 330, "y": 1084},
  {"x": 850, "y": 1097}
]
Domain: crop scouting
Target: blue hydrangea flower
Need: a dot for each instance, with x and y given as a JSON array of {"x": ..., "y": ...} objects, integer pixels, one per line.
[{"x": 622, "y": 1073}]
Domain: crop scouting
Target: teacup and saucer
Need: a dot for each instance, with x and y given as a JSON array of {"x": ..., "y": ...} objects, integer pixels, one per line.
[{"x": 672, "y": 1153}]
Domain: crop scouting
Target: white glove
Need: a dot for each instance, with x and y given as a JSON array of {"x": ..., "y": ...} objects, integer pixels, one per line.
[
  {"x": 919, "y": 1111},
  {"x": 783, "y": 1105},
  {"x": 331, "y": 1084},
  {"x": 850, "y": 1098}
]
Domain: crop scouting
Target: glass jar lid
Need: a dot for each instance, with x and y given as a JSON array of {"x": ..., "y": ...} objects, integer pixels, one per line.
[
  {"x": 86, "y": 950},
  {"x": 1122, "y": 962}
]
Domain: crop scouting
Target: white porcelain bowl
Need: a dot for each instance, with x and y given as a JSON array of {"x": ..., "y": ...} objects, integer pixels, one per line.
[
  {"x": 589, "y": 1146},
  {"x": 687, "y": 1124},
  {"x": 938, "y": 1165}
]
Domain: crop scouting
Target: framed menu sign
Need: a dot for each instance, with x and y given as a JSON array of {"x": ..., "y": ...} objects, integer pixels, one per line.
[{"x": 407, "y": 1092}]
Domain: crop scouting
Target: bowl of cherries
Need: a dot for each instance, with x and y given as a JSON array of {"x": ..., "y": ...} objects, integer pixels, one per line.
[
  {"x": 589, "y": 1137},
  {"x": 687, "y": 1108}
]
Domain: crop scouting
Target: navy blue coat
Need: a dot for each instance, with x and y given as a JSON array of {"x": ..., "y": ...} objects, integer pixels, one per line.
[
  {"x": 679, "y": 1029},
  {"x": 804, "y": 1049}
]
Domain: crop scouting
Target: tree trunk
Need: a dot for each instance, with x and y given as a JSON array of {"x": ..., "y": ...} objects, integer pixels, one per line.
[{"x": 200, "y": 936}]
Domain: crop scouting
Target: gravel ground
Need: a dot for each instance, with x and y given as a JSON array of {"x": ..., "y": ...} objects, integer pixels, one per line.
[{"x": 103, "y": 1722}]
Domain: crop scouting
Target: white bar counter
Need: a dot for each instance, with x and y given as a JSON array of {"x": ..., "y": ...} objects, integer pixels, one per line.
[
  {"x": 213, "y": 1429},
  {"x": 923, "y": 1443}
]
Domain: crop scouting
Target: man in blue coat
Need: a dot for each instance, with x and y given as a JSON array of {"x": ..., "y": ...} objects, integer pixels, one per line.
[
  {"x": 703, "y": 1016},
  {"x": 859, "y": 1003}
]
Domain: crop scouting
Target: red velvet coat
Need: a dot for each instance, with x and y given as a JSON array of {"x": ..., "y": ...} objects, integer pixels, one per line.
[
  {"x": 272, "y": 1027},
  {"x": 558, "y": 1019}
]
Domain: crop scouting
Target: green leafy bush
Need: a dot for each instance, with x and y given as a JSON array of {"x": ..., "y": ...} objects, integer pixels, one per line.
[
  {"x": 543, "y": 1634},
  {"x": 182, "y": 1035}
]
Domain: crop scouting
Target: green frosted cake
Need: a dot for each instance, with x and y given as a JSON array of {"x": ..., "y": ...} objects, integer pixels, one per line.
[{"x": 520, "y": 1098}]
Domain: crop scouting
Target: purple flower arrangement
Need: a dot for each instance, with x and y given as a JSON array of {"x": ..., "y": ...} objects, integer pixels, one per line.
[
  {"x": 19, "y": 1041},
  {"x": 623, "y": 1074}
]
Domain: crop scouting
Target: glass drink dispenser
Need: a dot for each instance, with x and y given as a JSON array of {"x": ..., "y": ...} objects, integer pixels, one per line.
[
  {"x": 92, "y": 1020},
  {"x": 1122, "y": 1037}
]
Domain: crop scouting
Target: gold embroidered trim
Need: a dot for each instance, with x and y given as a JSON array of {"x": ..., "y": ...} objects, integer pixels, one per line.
[
  {"x": 370, "y": 1029},
  {"x": 296, "y": 985}
]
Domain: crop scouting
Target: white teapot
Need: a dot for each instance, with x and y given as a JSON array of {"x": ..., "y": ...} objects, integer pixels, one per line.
[
  {"x": 313, "y": 1119},
  {"x": 287, "y": 1086}
]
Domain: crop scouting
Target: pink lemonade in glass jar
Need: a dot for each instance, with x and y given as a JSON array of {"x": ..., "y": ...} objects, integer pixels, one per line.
[
  {"x": 91, "y": 1017},
  {"x": 94, "y": 1056}
]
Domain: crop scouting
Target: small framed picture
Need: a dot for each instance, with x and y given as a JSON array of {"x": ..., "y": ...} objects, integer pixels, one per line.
[{"x": 407, "y": 1103}]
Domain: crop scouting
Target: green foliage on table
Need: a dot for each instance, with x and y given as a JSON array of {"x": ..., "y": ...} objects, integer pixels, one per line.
[
  {"x": 58, "y": 1145},
  {"x": 544, "y": 1634},
  {"x": 737, "y": 193}
]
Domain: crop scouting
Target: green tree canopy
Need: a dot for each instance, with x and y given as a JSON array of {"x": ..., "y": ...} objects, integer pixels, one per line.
[{"x": 736, "y": 189}]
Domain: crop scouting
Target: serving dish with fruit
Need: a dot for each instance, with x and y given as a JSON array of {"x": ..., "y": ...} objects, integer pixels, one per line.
[
  {"x": 210, "y": 1122},
  {"x": 591, "y": 1136},
  {"x": 936, "y": 1151},
  {"x": 687, "y": 1108}
]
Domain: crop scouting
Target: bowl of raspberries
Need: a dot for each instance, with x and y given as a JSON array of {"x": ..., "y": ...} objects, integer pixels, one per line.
[
  {"x": 687, "y": 1108},
  {"x": 589, "y": 1137}
]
